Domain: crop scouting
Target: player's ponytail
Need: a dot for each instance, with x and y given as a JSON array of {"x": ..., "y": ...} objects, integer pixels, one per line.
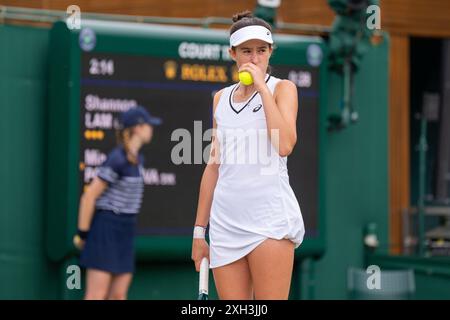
[
  {"x": 123, "y": 137},
  {"x": 241, "y": 15}
]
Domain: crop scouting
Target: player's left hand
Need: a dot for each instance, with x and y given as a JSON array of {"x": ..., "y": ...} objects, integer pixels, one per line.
[
  {"x": 78, "y": 242},
  {"x": 258, "y": 76}
]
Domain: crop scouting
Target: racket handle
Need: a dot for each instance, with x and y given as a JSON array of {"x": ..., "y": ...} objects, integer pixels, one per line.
[{"x": 204, "y": 275}]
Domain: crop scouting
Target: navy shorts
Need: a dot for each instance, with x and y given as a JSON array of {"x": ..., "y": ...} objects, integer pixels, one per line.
[{"x": 110, "y": 243}]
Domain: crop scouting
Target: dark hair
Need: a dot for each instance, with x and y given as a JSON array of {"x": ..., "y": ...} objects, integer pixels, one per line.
[{"x": 245, "y": 19}]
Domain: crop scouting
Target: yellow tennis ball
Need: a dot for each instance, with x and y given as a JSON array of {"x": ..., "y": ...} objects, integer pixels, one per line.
[
  {"x": 77, "y": 241},
  {"x": 246, "y": 78}
]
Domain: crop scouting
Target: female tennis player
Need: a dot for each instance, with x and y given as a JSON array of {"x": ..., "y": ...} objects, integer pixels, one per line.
[
  {"x": 255, "y": 222},
  {"x": 112, "y": 202}
]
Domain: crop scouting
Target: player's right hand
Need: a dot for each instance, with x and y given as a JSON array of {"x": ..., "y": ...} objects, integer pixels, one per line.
[
  {"x": 200, "y": 249},
  {"x": 78, "y": 242}
]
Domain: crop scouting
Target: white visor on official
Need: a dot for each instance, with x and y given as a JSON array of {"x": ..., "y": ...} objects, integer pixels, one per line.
[{"x": 249, "y": 33}]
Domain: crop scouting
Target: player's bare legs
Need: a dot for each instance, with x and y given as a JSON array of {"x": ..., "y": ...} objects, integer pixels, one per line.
[
  {"x": 271, "y": 265},
  {"x": 97, "y": 284},
  {"x": 233, "y": 281},
  {"x": 119, "y": 286}
]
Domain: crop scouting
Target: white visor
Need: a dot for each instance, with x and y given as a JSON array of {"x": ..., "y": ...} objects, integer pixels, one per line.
[{"x": 249, "y": 33}]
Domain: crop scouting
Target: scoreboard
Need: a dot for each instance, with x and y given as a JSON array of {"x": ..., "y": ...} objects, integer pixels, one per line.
[
  {"x": 105, "y": 68},
  {"x": 171, "y": 188}
]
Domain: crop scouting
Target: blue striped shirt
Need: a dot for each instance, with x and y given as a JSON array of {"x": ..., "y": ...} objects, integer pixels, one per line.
[{"x": 125, "y": 183}]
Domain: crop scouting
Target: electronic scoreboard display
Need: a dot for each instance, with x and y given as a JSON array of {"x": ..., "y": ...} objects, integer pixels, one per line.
[
  {"x": 174, "y": 72},
  {"x": 171, "y": 178}
]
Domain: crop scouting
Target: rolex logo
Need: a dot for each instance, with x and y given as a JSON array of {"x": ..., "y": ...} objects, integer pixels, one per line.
[{"x": 170, "y": 69}]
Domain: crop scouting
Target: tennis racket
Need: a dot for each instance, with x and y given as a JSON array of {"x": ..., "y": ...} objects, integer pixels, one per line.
[{"x": 203, "y": 280}]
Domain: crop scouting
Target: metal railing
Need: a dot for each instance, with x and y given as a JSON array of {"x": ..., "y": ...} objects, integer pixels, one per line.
[{"x": 50, "y": 16}]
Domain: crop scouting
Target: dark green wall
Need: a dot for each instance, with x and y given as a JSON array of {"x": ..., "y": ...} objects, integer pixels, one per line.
[
  {"x": 24, "y": 270},
  {"x": 356, "y": 188},
  {"x": 356, "y": 174}
]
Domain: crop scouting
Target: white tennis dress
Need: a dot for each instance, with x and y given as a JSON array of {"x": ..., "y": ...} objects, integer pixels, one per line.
[{"x": 252, "y": 200}]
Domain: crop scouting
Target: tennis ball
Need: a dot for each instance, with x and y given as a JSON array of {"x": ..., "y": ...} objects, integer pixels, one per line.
[
  {"x": 77, "y": 242},
  {"x": 246, "y": 78}
]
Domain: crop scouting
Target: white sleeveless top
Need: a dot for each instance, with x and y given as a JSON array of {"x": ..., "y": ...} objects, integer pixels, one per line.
[{"x": 252, "y": 199}]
